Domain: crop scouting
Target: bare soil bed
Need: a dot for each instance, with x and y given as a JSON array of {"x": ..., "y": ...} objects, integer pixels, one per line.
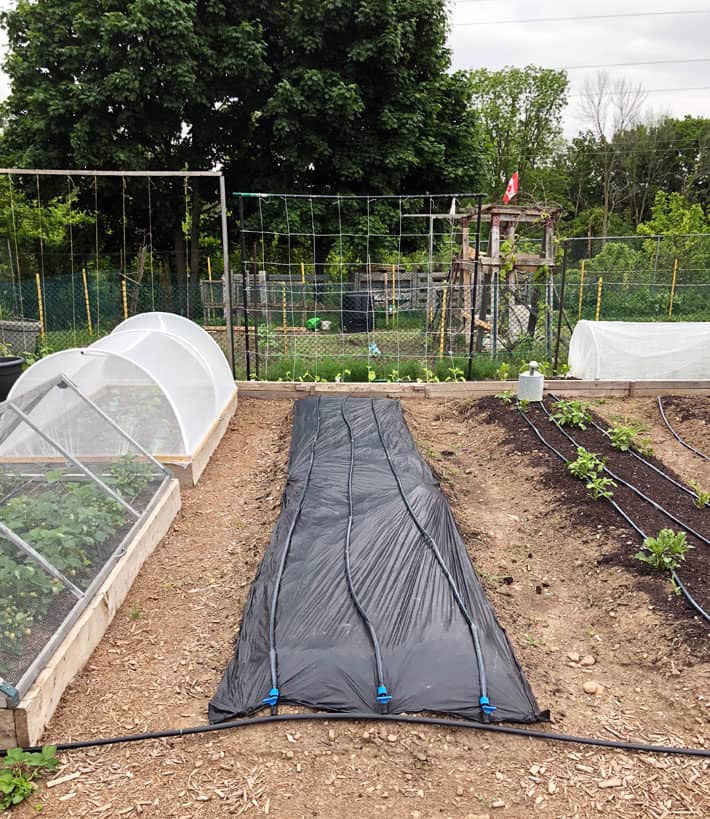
[{"x": 573, "y": 615}]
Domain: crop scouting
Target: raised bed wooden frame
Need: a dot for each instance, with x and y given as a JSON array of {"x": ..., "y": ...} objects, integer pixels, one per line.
[{"x": 25, "y": 724}]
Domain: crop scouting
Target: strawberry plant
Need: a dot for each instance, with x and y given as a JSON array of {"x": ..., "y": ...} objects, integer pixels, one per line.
[{"x": 19, "y": 771}]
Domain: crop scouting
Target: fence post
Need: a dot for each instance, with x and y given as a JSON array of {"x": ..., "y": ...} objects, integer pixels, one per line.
[
  {"x": 600, "y": 283},
  {"x": 283, "y": 317},
  {"x": 581, "y": 288},
  {"x": 495, "y": 283},
  {"x": 673, "y": 283}
]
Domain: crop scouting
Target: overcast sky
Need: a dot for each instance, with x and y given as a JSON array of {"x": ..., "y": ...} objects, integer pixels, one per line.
[
  {"x": 560, "y": 43},
  {"x": 630, "y": 39}
]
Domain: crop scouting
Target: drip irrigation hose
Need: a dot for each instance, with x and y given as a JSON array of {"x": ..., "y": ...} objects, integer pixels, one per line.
[
  {"x": 630, "y": 486},
  {"x": 272, "y": 698},
  {"x": 441, "y": 722},
  {"x": 675, "y": 434},
  {"x": 694, "y": 604},
  {"x": 640, "y": 457},
  {"x": 486, "y": 708},
  {"x": 383, "y": 695}
]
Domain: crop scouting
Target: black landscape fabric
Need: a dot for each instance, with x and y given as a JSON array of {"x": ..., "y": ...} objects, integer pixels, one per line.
[{"x": 366, "y": 589}]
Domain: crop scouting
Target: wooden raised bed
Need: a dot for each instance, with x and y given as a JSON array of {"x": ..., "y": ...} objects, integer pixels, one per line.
[{"x": 24, "y": 724}]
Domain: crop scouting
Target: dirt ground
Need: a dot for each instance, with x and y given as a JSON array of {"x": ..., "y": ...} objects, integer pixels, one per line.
[{"x": 573, "y": 618}]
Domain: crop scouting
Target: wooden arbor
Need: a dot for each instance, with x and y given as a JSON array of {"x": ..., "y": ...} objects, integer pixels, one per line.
[{"x": 502, "y": 260}]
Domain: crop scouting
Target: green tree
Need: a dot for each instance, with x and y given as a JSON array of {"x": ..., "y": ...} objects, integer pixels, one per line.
[
  {"x": 150, "y": 84},
  {"x": 520, "y": 111}
]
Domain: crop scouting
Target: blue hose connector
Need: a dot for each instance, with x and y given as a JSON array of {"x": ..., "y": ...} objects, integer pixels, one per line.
[
  {"x": 486, "y": 706},
  {"x": 383, "y": 695},
  {"x": 273, "y": 697}
]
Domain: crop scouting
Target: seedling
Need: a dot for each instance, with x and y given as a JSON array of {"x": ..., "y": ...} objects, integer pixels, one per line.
[
  {"x": 523, "y": 405},
  {"x": 455, "y": 374},
  {"x": 665, "y": 552},
  {"x": 629, "y": 436},
  {"x": 587, "y": 465},
  {"x": 600, "y": 487},
  {"x": 503, "y": 372},
  {"x": 18, "y": 772},
  {"x": 702, "y": 498},
  {"x": 506, "y": 396},
  {"x": 571, "y": 414}
]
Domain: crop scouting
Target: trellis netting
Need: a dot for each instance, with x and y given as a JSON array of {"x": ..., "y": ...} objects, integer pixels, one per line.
[
  {"x": 640, "y": 350},
  {"x": 67, "y": 511},
  {"x": 162, "y": 379}
]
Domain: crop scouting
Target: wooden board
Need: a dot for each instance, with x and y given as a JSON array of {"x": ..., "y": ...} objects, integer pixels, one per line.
[
  {"x": 471, "y": 389},
  {"x": 40, "y": 702},
  {"x": 188, "y": 471}
]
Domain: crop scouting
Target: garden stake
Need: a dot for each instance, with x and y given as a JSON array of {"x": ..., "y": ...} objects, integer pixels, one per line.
[
  {"x": 124, "y": 297},
  {"x": 442, "y": 326},
  {"x": 675, "y": 274},
  {"x": 86, "y": 301},
  {"x": 283, "y": 314},
  {"x": 600, "y": 283},
  {"x": 581, "y": 290},
  {"x": 40, "y": 305}
]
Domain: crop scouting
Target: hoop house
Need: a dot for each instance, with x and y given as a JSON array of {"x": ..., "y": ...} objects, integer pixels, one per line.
[
  {"x": 169, "y": 389},
  {"x": 640, "y": 350},
  {"x": 68, "y": 514}
]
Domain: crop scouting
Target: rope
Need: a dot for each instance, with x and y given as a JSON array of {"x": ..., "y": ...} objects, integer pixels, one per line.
[
  {"x": 71, "y": 260},
  {"x": 150, "y": 258}
]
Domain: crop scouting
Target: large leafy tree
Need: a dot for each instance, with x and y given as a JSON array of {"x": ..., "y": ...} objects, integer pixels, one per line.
[
  {"x": 361, "y": 100},
  {"x": 520, "y": 112}
]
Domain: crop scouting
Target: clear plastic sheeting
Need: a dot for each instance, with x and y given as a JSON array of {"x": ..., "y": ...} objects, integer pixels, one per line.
[
  {"x": 366, "y": 599},
  {"x": 655, "y": 351},
  {"x": 64, "y": 518},
  {"x": 160, "y": 377}
]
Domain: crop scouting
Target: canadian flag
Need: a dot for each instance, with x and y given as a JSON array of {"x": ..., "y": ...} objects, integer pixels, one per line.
[{"x": 512, "y": 188}]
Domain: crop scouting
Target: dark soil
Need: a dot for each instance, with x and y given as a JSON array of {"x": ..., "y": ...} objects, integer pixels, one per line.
[
  {"x": 690, "y": 419},
  {"x": 594, "y": 515}
]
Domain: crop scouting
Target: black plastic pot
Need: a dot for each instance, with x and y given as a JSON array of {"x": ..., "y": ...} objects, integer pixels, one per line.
[{"x": 10, "y": 369}]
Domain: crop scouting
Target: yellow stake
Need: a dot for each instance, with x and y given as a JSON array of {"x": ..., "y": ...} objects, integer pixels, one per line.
[
  {"x": 600, "y": 282},
  {"x": 283, "y": 315},
  {"x": 86, "y": 301},
  {"x": 581, "y": 290},
  {"x": 675, "y": 274},
  {"x": 124, "y": 298},
  {"x": 303, "y": 274},
  {"x": 387, "y": 300},
  {"x": 209, "y": 268},
  {"x": 40, "y": 305},
  {"x": 394, "y": 295},
  {"x": 442, "y": 327}
]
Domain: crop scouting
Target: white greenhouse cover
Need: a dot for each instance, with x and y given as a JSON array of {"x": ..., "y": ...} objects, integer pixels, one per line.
[
  {"x": 158, "y": 386},
  {"x": 628, "y": 350},
  {"x": 200, "y": 340}
]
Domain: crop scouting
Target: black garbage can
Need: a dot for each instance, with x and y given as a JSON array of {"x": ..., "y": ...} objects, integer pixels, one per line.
[
  {"x": 10, "y": 369},
  {"x": 357, "y": 312}
]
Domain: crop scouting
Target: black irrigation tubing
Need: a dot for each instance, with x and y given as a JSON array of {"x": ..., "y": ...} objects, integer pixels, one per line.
[
  {"x": 691, "y": 600},
  {"x": 484, "y": 702},
  {"x": 640, "y": 457},
  {"x": 404, "y": 719},
  {"x": 675, "y": 434},
  {"x": 273, "y": 697},
  {"x": 630, "y": 486},
  {"x": 383, "y": 695}
]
